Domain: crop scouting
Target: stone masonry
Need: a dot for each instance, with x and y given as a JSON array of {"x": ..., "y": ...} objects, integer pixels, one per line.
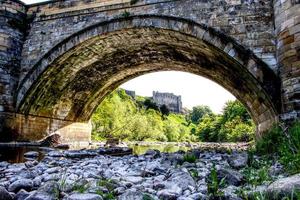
[
  {"x": 58, "y": 59},
  {"x": 172, "y": 101}
]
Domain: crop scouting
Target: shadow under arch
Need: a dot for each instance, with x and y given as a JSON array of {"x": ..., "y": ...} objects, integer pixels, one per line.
[{"x": 70, "y": 81}]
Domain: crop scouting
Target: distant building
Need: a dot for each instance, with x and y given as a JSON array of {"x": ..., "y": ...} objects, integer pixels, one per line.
[
  {"x": 130, "y": 93},
  {"x": 172, "y": 101}
]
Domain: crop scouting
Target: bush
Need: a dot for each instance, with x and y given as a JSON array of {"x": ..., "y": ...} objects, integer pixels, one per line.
[
  {"x": 269, "y": 141},
  {"x": 284, "y": 142},
  {"x": 290, "y": 149}
]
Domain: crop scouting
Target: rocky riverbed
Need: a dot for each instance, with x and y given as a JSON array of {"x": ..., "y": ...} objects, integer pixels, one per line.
[{"x": 90, "y": 175}]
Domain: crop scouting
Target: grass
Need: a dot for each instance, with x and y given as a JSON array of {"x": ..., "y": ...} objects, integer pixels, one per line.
[
  {"x": 147, "y": 197},
  {"x": 282, "y": 141},
  {"x": 106, "y": 196},
  {"x": 81, "y": 188},
  {"x": 214, "y": 185},
  {"x": 189, "y": 157},
  {"x": 125, "y": 14},
  {"x": 194, "y": 173},
  {"x": 295, "y": 195},
  {"x": 255, "y": 176},
  {"x": 110, "y": 186}
]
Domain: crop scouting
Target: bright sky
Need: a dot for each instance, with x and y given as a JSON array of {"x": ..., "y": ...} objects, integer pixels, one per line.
[
  {"x": 194, "y": 89},
  {"x": 32, "y": 1}
]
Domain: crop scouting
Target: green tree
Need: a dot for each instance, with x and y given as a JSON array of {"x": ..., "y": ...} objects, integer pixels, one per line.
[
  {"x": 140, "y": 119},
  {"x": 234, "y": 109},
  {"x": 233, "y": 125},
  {"x": 150, "y": 104},
  {"x": 198, "y": 112},
  {"x": 164, "y": 110},
  {"x": 122, "y": 117}
]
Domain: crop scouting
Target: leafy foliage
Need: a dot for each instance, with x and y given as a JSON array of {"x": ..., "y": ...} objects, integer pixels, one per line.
[
  {"x": 189, "y": 157},
  {"x": 140, "y": 119},
  {"x": 110, "y": 186},
  {"x": 284, "y": 142},
  {"x": 233, "y": 125},
  {"x": 214, "y": 185},
  {"x": 199, "y": 112},
  {"x": 256, "y": 173},
  {"x": 119, "y": 116}
]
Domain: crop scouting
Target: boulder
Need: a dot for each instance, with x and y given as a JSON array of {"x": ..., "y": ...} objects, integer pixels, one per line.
[
  {"x": 55, "y": 154},
  {"x": 131, "y": 195},
  {"x": 31, "y": 154},
  {"x": 4, "y": 194},
  {"x": 175, "y": 158},
  {"x": 167, "y": 195},
  {"x": 25, "y": 184},
  {"x": 182, "y": 179},
  {"x": 85, "y": 196},
  {"x": 238, "y": 160},
  {"x": 276, "y": 169},
  {"x": 49, "y": 191},
  {"x": 116, "y": 151},
  {"x": 232, "y": 177},
  {"x": 22, "y": 194},
  {"x": 79, "y": 154},
  {"x": 284, "y": 187},
  {"x": 153, "y": 153},
  {"x": 230, "y": 192},
  {"x": 133, "y": 179},
  {"x": 198, "y": 196},
  {"x": 51, "y": 140}
]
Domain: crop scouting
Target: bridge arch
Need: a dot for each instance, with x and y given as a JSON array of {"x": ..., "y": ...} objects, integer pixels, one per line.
[{"x": 70, "y": 81}]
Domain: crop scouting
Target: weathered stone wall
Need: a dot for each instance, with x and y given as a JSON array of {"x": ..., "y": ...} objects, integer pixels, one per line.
[
  {"x": 172, "y": 101},
  {"x": 12, "y": 33},
  {"x": 249, "y": 22},
  {"x": 287, "y": 23},
  {"x": 92, "y": 62},
  {"x": 33, "y": 128}
]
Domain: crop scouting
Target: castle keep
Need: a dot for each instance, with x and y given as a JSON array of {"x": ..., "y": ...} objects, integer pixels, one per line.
[
  {"x": 59, "y": 59},
  {"x": 172, "y": 101}
]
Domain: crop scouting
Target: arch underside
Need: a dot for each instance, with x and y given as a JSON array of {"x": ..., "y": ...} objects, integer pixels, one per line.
[{"x": 75, "y": 83}]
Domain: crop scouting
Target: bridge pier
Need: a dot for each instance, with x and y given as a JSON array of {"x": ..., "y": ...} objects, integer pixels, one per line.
[
  {"x": 12, "y": 36},
  {"x": 19, "y": 127},
  {"x": 287, "y": 27}
]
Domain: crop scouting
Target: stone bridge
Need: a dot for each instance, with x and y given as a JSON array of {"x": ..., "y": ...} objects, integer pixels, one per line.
[{"x": 59, "y": 59}]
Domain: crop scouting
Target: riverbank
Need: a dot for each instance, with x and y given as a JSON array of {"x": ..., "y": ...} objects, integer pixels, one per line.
[
  {"x": 14, "y": 152},
  {"x": 90, "y": 175},
  {"x": 95, "y": 144}
]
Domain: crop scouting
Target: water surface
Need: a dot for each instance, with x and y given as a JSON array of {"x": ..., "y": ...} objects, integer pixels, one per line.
[{"x": 16, "y": 154}]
